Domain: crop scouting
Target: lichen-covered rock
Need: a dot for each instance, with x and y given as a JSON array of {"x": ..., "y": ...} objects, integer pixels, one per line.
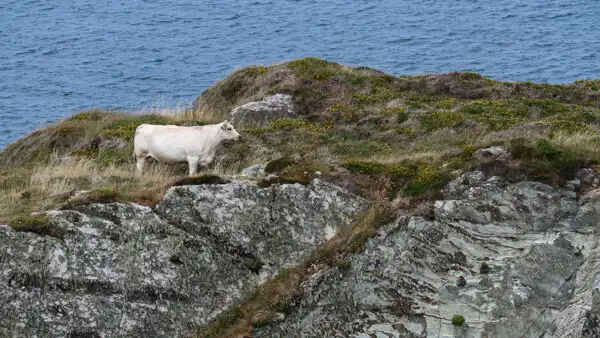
[
  {"x": 254, "y": 171},
  {"x": 275, "y": 227},
  {"x": 259, "y": 113},
  {"x": 540, "y": 245},
  {"x": 124, "y": 270}
]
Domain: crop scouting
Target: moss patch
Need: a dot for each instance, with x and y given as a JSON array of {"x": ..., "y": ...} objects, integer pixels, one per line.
[
  {"x": 200, "y": 180},
  {"x": 36, "y": 225},
  {"x": 222, "y": 322}
]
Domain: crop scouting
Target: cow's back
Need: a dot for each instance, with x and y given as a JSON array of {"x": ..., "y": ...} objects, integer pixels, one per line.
[{"x": 163, "y": 142}]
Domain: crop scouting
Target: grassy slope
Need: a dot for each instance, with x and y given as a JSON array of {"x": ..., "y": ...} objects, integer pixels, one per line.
[{"x": 394, "y": 140}]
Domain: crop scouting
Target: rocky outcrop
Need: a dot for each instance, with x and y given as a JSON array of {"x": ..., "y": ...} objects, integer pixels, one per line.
[
  {"x": 125, "y": 270},
  {"x": 260, "y": 113},
  {"x": 528, "y": 253},
  {"x": 541, "y": 256}
]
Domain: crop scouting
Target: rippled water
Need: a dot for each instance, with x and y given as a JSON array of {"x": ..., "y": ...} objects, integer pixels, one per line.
[{"x": 59, "y": 57}]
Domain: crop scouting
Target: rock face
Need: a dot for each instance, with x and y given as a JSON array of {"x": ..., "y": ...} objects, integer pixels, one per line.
[
  {"x": 255, "y": 171},
  {"x": 124, "y": 270},
  {"x": 259, "y": 113},
  {"x": 541, "y": 247},
  {"x": 492, "y": 153}
]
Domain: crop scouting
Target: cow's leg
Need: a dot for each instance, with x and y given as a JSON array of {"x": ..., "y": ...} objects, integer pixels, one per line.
[
  {"x": 206, "y": 161},
  {"x": 193, "y": 165},
  {"x": 141, "y": 162}
]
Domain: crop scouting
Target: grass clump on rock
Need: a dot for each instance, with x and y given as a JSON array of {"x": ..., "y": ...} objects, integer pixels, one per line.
[
  {"x": 458, "y": 320},
  {"x": 548, "y": 161},
  {"x": 484, "y": 268},
  {"x": 37, "y": 225},
  {"x": 200, "y": 180},
  {"x": 102, "y": 196}
]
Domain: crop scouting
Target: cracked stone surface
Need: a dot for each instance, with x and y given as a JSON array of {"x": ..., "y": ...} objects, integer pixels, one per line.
[
  {"x": 125, "y": 270},
  {"x": 541, "y": 246},
  {"x": 259, "y": 113}
]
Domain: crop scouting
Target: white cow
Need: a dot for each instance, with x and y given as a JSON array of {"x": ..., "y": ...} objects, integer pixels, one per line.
[{"x": 175, "y": 144}]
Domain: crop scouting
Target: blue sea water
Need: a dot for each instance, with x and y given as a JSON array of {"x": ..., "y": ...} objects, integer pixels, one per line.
[{"x": 60, "y": 57}]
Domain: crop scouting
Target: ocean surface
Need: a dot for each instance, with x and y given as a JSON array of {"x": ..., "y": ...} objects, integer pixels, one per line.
[{"x": 60, "y": 57}]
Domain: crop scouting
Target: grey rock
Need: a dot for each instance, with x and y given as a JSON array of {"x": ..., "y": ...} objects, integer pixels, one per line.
[
  {"x": 112, "y": 143},
  {"x": 255, "y": 171},
  {"x": 402, "y": 284},
  {"x": 574, "y": 185},
  {"x": 124, "y": 270},
  {"x": 492, "y": 153},
  {"x": 278, "y": 226},
  {"x": 5, "y": 228},
  {"x": 586, "y": 175},
  {"x": 259, "y": 113}
]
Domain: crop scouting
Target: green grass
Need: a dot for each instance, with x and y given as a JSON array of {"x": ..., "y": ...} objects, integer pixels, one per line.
[{"x": 548, "y": 161}]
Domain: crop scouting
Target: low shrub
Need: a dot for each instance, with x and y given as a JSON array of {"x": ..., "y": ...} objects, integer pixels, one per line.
[
  {"x": 428, "y": 179},
  {"x": 548, "y": 160},
  {"x": 314, "y": 68},
  {"x": 408, "y": 132},
  {"x": 441, "y": 119}
]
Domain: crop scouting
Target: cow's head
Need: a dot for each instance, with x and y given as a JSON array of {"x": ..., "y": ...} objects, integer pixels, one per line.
[{"x": 228, "y": 132}]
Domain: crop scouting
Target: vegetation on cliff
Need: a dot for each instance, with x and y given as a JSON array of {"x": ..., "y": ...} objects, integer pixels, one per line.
[{"x": 394, "y": 140}]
